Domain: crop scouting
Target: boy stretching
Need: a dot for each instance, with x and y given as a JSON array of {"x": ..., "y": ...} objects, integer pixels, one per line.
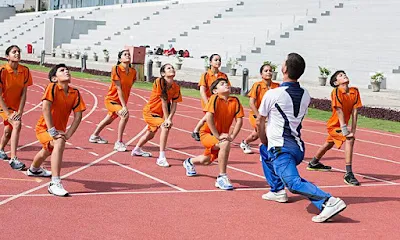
[
  {"x": 345, "y": 103},
  {"x": 59, "y": 100},
  {"x": 283, "y": 149},
  {"x": 215, "y": 136}
]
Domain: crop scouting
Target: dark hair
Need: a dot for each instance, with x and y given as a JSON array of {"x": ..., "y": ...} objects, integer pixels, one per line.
[
  {"x": 334, "y": 76},
  {"x": 215, "y": 83},
  {"x": 163, "y": 82},
  {"x": 263, "y": 66},
  {"x": 120, "y": 55},
  {"x": 295, "y": 66},
  {"x": 8, "y": 50},
  {"x": 53, "y": 71},
  {"x": 213, "y": 55}
]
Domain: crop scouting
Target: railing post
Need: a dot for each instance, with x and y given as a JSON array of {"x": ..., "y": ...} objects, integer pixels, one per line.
[
  {"x": 42, "y": 55},
  {"x": 83, "y": 62},
  {"x": 149, "y": 70},
  {"x": 245, "y": 82}
]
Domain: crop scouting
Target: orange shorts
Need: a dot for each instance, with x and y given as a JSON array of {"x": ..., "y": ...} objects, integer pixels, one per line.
[
  {"x": 5, "y": 117},
  {"x": 336, "y": 136},
  {"x": 253, "y": 120},
  {"x": 113, "y": 108},
  {"x": 153, "y": 121},
  {"x": 45, "y": 139},
  {"x": 209, "y": 141}
]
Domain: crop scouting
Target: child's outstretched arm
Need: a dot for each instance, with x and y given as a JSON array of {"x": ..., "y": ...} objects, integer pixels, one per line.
[
  {"x": 21, "y": 107},
  {"x": 252, "y": 103},
  {"x": 49, "y": 121},
  {"x": 343, "y": 126},
  {"x": 236, "y": 130},
  {"x": 203, "y": 94},
  {"x": 124, "y": 109},
  {"x": 354, "y": 119},
  {"x": 74, "y": 125},
  {"x": 173, "y": 110}
]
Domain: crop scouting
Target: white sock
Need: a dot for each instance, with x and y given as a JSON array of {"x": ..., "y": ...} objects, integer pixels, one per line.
[
  {"x": 33, "y": 169},
  {"x": 162, "y": 154},
  {"x": 55, "y": 179},
  {"x": 137, "y": 149}
]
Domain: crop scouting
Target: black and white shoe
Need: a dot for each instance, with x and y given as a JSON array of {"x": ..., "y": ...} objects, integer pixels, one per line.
[
  {"x": 57, "y": 189},
  {"x": 16, "y": 164},
  {"x": 42, "y": 172}
]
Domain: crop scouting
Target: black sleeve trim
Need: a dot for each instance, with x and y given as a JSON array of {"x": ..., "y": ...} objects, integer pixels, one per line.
[
  {"x": 337, "y": 96},
  {"x": 79, "y": 100}
]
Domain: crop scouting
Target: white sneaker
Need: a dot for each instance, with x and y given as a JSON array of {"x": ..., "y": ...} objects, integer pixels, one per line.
[
  {"x": 246, "y": 148},
  {"x": 42, "y": 172},
  {"x": 331, "y": 208},
  {"x": 223, "y": 183},
  {"x": 97, "y": 139},
  {"x": 279, "y": 196},
  {"x": 162, "y": 162},
  {"x": 190, "y": 168},
  {"x": 141, "y": 153},
  {"x": 119, "y": 147},
  {"x": 3, "y": 155},
  {"x": 57, "y": 189}
]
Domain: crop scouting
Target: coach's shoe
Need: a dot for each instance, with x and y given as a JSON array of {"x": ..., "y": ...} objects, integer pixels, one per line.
[
  {"x": 190, "y": 169},
  {"x": 223, "y": 183},
  {"x": 332, "y": 207},
  {"x": 279, "y": 196},
  {"x": 196, "y": 136},
  {"x": 246, "y": 148},
  {"x": 351, "y": 180},
  {"x": 162, "y": 162},
  {"x": 97, "y": 139},
  {"x": 119, "y": 147},
  {"x": 42, "y": 172},
  {"x": 3, "y": 155},
  {"x": 318, "y": 167},
  {"x": 16, "y": 164},
  {"x": 57, "y": 189}
]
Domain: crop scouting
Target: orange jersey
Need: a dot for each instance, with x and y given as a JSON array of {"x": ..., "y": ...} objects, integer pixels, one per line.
[
  {"x": 154, "y": 105},
  {"x": 61, "y": 106},
  {"x": 207, "y": 79},
  {"x": 12, "y": 84},
  {"x": 346, "y": 101},
  {"x": 258, "y": 90},
  {"x": 224, "y": 113},
  {"x": 119, "y": 74}
]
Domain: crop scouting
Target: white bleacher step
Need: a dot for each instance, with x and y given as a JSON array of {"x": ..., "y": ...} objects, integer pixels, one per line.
[
  {"x": 97, "y": 43},
  {"x": 156, "y": 13},
  {"x": 34, "y": 42},
  {"x": 127, "y": 28},
  {"x": 286, "y": 35},
  {"x": 146, "y": 18},
  {"x": 270, "y": 43},
  {"x": 184, "y": 34},
  {"x": 87, "y": 48},
  {"x": 396, "y": 70},
  {"x": 136, "y": 23},
  {"x": 89, "y": 13},
  {"x": 35, "y": 26},
  {"x": 242, "y": 58},
  {"x": 195, "y": 28},
  {"x": 21, "y": 34},
  {"x": 340, "y": 5},
  {"x": 299, "y": 28},
  {"x": 165, "y": 8},
  {"x": 7, "y": 41},
  {"x": 172, "y": 40},
  {"x": 41, "y": 38},
  {"x": 207, "y": 22},
  {"x": 107, "y": 38},
  {"x": 19, "y": 26},
  {"x": 218, "y": 15},
  {"x": 15, "y": 37},
  {"x": 117, "y": 33},
  {"x": 313, "y": 20},
  {"x": 326, "y": 13},
  {"x": 240, "y": 3},
  {"x": 82, "y": 17},
  {"x": 176, "y": 2},
  {"x": 24, "y": 23},
  {"x": 28, "y": 30},
  {"x": 12, "y": 30},
  {"x": 229, "y": 10},
  {"x": 30, "y": 20}
]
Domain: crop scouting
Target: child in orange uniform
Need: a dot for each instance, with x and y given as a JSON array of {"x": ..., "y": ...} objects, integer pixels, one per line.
[
  {"x": 345, "y": 103},
  {"x": 14, "y": 82},
  {"x": 59, "y": 100},
  {"x": 159, "y": 111},
  {"x": 123, "y": 77},
  {"x": 256, "y": 94},
  {"x": 206, "y": 80},
  {"x": 215, "y": 136}
]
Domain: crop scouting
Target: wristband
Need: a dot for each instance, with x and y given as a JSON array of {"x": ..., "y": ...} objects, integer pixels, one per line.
[
  {"x": 345, "y": 131},
  {"x": 52, "y": 131}
]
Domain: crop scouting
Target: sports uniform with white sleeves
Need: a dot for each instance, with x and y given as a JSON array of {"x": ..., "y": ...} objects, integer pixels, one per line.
[{"x": 285, "y": 108}]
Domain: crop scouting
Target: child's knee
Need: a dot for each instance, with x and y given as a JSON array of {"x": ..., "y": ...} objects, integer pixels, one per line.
[
  {"x": 292, "y": 183},
  {"x": 59, "y": 143},
  {"x": 126, "y": 117},
  {"x": 224, "y": 145},
  {"x": 17, "y": 125}
]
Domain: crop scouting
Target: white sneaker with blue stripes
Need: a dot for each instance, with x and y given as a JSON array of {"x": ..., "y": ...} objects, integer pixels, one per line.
[
  {"x": 223, "y": 183},
  {"x": 190, "y": 169}
]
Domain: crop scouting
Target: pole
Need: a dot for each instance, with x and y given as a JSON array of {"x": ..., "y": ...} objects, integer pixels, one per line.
[
  {"x": 42, "y": 55},
  {"x": 149, "y": 70},
  {"x": 245, "y": 82}
]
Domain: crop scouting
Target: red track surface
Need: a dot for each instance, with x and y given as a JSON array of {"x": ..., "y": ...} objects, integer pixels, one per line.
[{"x": 116, "y": 196}]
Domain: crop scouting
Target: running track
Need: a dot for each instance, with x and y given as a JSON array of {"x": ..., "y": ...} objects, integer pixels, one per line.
[{"x": 116, "y": 196}]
